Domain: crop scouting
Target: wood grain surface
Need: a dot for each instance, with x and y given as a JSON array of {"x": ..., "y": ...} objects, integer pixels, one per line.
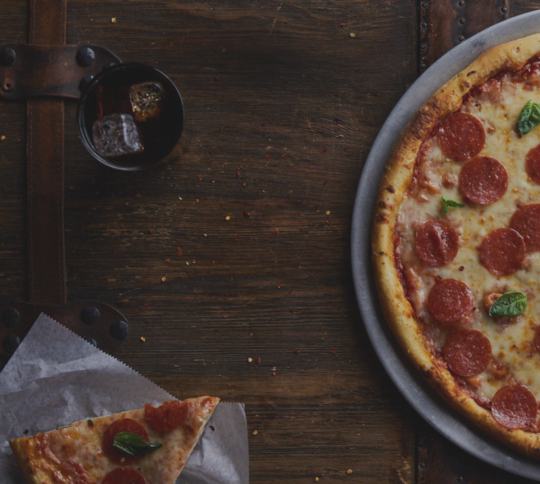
[{"x": 238, "y": 246}]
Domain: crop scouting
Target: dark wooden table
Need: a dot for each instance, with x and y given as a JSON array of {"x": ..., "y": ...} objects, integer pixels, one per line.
[{"x": 283, "y": 102}]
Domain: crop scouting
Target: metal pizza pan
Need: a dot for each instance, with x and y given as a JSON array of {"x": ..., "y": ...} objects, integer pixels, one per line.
[{"x": 412, "y": 386}]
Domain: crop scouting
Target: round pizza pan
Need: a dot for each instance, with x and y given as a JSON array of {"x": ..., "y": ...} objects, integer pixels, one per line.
[{"x": 418, "y": 393}]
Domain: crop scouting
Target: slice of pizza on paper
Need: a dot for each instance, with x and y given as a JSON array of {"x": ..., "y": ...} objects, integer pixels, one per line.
[{"x": 145, "y": 446}]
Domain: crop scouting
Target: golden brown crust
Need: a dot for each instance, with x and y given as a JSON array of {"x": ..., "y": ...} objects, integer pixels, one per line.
[{"x": 394, "y": 184}]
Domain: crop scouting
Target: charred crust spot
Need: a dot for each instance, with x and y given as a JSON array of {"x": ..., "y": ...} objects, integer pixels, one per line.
[
  {"x": 382, "y": 204},
  {"x": 382, "y": 218},
  {"x": 390, "y": 189},
  {"x": 465, "y": 84},
  {"x": 381, "y": 252},
  {"x": 471, "y": 73}
]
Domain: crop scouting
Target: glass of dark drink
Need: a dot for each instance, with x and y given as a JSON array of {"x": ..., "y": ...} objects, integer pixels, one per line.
[{"x": 130, "y": 116}]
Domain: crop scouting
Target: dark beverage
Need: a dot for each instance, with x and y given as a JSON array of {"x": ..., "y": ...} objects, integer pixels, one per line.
[{"x": 131, "y": 116}]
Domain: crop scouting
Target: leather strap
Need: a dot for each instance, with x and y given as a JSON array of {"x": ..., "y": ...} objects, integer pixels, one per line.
[{"x": 45, "y": 169}]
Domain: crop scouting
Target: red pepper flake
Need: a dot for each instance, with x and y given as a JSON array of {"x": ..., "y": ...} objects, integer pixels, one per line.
[
  {"x": 296, "y": 352},
  {"x": 461, "y": 268},
  {"x": 324, "y": 150},
  {"x": 274, "y": 373},
  {"x": 213, "y": 262},
  {"x": 346, "y": 149},
  {"x": 145, "y": 306},
  {"x": 243, "y": 184},
  {"x": 247, "y": 214},
  {"x": 199, "y": 177},
  {"x": 237, "y": 172},
  {"x": 171, "y": 44},
  {"x": 257, "y": 361},
  {"x": 223, "y": 165},
  {"x": 333, "y": 351},
  {"x": 26, "y": 432},
  {"x": 138, "y": 195},
  {"x": 150, "y": 231},
  {"x": 179, "y": 251},
  {"x": 268, "y": 157},
  {"x": 263, "y": 125}
]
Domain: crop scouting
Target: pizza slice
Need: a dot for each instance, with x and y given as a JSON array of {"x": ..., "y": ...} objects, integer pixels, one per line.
[{"x": 145, "y": 446}]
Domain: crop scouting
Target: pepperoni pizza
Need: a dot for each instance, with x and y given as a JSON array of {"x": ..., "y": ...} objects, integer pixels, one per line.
[
  {"x": 456, "y": 242},
  {"x": 146, "y": 446}
]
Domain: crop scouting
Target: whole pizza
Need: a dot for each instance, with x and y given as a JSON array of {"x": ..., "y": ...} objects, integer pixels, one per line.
[{"x": 456, "y": 242}]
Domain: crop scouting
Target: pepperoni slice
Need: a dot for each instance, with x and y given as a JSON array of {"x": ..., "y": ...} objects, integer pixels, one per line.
[
  {"x": 124, "y": 475},
  {"x": 526, "y": 220},
  {"x": 532, "y": 164},
  {"x": 436, "y": 243},
  {"x": 167, "y": 416},
  {"x": 514, "y": 407},
  {"x": 122, "y": 425},
  {"x": 450, "y": 300},
  {"x": 483, "y": 180},
  {"x": 467, "y": 352},
  {"x": 502, "y": 252},
  {"x": 461, "y": 136}
]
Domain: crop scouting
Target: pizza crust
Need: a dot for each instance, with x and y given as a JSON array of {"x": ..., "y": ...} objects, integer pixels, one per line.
[{"x": 395, "y": 182}]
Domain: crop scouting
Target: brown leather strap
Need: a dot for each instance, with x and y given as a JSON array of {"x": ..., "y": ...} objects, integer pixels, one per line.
[{"x": 45, "y": 169}]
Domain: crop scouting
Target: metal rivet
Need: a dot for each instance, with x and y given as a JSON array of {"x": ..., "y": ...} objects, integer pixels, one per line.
[
  {"x": 90, "y": 315},
  {"x": 423, "y": 25},
  {"x": 460, "y": 479},
  {"x": 461, "y": 38},
  {"x": 11, "y": 317},
  {"x": 422, "y": 465},
  {"x": 8, "y": 85},
  {"x": 119, "y": 329},
  {"x": 461, "y": 3},
  {"x": 461, "y": 20},
  {"x": 7, "y": 56},
  {"x": 92, "y": 341},
  {"x": 85, "y": 56},
  {"x": 85, "y": 82},
  {"x": 424, "y": 5},
  {"x": 11, "y": 343},
  {"x": 504, "y": 9}
]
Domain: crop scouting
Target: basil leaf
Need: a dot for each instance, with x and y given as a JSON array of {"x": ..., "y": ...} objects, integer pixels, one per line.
[
  {"x": 450, "y": 204},
  {"x": 133, "y": 445},
  {"x": 510, "y": 305},
  {"x": 529, "y": 118}
]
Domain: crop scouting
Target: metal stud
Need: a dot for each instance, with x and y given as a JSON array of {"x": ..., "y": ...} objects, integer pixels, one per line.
[
  {"x": 85, "y": 82},
  {"x": 7, "y": 57},
  {"x": 92, "y": 341},
  {"x": 11, "y": 317},
  {"x": 119, "y": 329},
  {"x": 85, "y": 56},
  {"x": 11, "y": 343},
  {"x": 90, "y": 315}
]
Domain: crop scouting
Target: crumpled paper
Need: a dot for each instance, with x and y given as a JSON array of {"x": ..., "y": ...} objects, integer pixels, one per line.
[{"x": 56, "y": 378}]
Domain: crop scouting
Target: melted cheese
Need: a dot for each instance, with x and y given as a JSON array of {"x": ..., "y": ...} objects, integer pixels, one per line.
[{"x": 497, "y": 105}]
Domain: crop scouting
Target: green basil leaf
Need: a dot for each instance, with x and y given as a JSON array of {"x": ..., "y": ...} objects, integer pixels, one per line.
[
  {"x": 509, "y": 305},
  {"x": 450, "y": 204},
  {"x": 133, "y": 445},
  {"x": 529, "y": 118}
]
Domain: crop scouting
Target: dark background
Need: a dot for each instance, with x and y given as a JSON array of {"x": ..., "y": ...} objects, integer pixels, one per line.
[{"x": 282, "y": 106}]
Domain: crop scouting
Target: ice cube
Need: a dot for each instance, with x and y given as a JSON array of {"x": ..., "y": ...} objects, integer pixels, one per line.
[
  {"x": 116, "y": 135},
  {"x": 146, "y": 100}
]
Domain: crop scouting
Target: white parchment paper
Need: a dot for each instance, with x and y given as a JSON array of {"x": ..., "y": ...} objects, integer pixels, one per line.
[{"x": 56, "y": 378}]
